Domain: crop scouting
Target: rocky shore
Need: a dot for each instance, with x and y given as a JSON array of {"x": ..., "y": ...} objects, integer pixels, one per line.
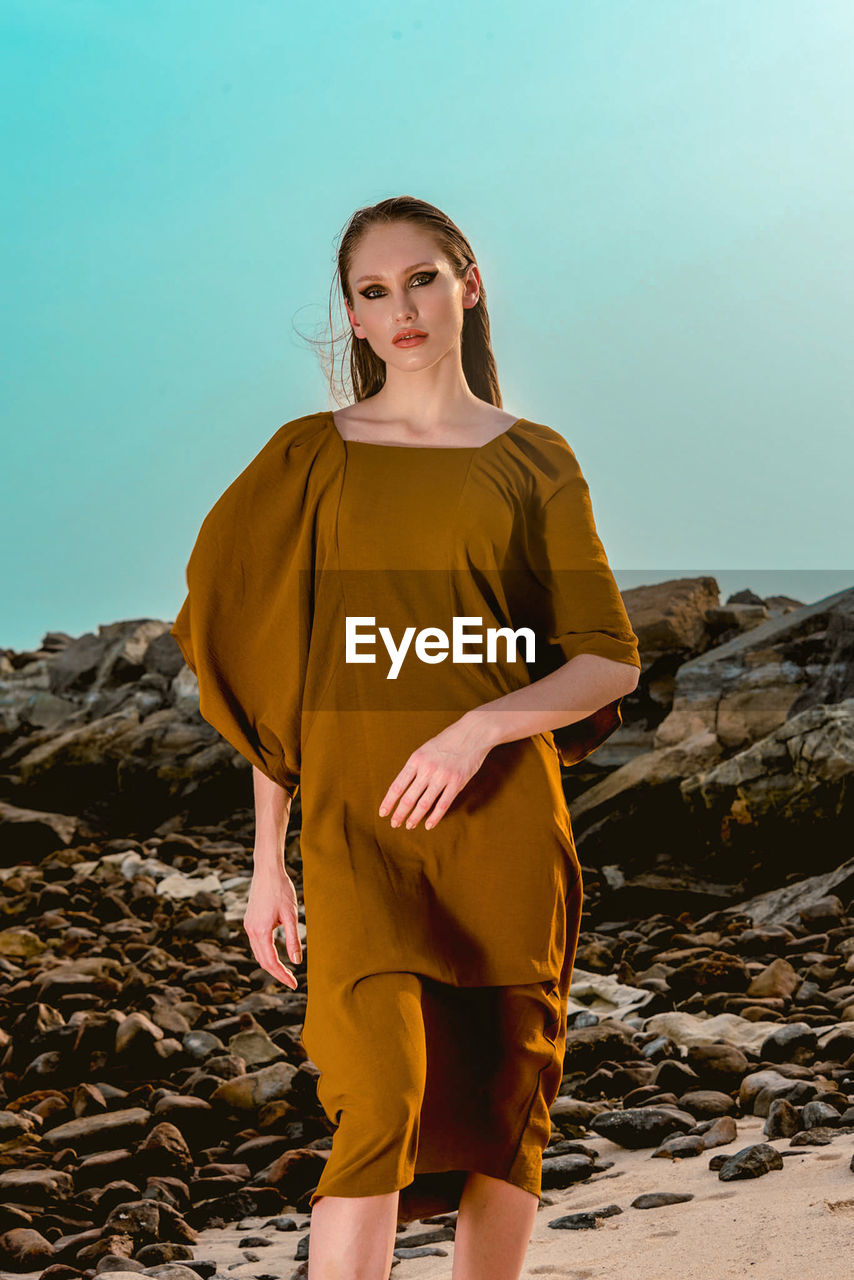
[{"x": 157, "y": 1111}]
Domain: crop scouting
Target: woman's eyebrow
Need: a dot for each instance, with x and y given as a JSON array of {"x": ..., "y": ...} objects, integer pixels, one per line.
[{"x": 405, "y": 271}]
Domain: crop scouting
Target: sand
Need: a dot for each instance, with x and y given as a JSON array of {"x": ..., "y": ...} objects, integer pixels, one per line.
[{"x": 796, "y": 1223}]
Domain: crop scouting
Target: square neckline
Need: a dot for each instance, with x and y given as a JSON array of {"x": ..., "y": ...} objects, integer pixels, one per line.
[{"x": 435, "y": 448}]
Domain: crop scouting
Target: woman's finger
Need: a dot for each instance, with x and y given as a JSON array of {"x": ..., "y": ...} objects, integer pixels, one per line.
[
  {"x": 401, "y": 782},
  {"x": 265, "y": 953},
  {"x": 413, "y": 793},
  {"x": 436, "y": 789}
]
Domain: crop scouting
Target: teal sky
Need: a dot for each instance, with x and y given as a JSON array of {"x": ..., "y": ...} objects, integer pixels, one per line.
[{"x": 660, "y": 194}]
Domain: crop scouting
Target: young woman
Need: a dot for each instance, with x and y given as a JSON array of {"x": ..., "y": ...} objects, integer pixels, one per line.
[{"x": 441, "y": 883}]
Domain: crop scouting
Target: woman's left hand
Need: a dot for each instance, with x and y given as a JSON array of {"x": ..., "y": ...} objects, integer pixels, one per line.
[{"x": 436, "y": 772}]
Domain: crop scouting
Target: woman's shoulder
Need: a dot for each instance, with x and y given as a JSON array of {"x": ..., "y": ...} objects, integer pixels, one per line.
[
  {"x": 549, "y": 458},
  {"x": 295, "y": 442},
  {"x": 308, "y": 428},
  {"x": 277, "y": 468}
]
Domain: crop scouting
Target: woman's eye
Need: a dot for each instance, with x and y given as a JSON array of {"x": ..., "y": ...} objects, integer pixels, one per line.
[{"x": 426, "y": 276}]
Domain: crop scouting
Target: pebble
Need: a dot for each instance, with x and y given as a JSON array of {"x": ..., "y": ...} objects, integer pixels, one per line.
[{"x": 750, "y": 1162}]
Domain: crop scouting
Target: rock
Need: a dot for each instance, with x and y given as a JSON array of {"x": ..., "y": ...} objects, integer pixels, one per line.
[
  {"x": 817, "y": 1113},
  {"x": 777, "y": 906},
  {"x": 587, "y": 1047},
  {"x": 642, "y": 894},
  {"x": 585, "y": 1220},
  {"x": 839, "y": 1045},
  {"x": 602, "y": 994},
  {"x": 719, "y": 1066},
  {"x": 794, "y": 1091},
  {"x": 22, "y": 1249},
  {"x": 751, "y": 1162},
  {"x": 671, "y": 617},
  {"x": 736, "y": 617},
  {"x": 404, "y": 1251},
  {"x": 783, "y": 1119},
  {"x": 779, "y": 978},
  {"x": 822, "y": 913},
  {"x": 798, "y": 769},
  {"x": 676, "y": 1077},
  {"x": 149, "y": 1221},
  {"x": 563, "y": 1171},
  {"x": 164, "y": 1152},
  {"x": 705, "y": 1104},
  {"x": 722, "y": 1132},
  {"x": 36, "y": 1186},
  {"x": 658, "y": 1199},
  {"x": 641, "y": 1126},
  {"x": 680, "y": 1146},
  {"x": 29, "y": 835},
  {"x": 572, "y": 1111},
  {"x": 99, "y": 1132},
  {"x": 792, "y": 1042},
  {"x": 687, "y": 1029},
  {"x": 136, "y": 1033},
  {"x": 820, "y": 1136},
  {"x": 250, "y": 1091},
  {"x": 718, "y": 971}
]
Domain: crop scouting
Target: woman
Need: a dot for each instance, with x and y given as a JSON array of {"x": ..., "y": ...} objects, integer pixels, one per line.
[{"x": 441, "y": 884}]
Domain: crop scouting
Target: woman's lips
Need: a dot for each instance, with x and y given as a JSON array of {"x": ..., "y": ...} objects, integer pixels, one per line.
[{"x": 411, "y": 342}]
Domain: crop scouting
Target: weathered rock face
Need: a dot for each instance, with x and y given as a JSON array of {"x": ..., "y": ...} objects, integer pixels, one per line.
[
  {"x": 793, "y": 782},
  {"x": 747, "y": 769},
  {"x": 672, "y": 622},
  {"x": 102, "y": 735},
  {"x": 673, "y": 617},
  {"x": 745, "y": 688}
]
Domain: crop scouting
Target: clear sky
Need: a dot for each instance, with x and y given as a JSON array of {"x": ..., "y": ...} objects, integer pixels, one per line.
[{"x": 660, "y": 194}]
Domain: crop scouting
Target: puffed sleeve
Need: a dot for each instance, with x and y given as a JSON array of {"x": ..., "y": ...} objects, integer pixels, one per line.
[
  {"x": 243, "y": 625},
  {"x": 582, "y": 610}
]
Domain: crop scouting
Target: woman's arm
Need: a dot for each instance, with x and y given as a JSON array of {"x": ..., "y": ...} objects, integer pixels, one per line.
[
  {"x": 573, "y": 692},
  {"x": 439, "y": 769},
  {"x": 272, "y": 894},
  {"x": 272, "y": 814}
]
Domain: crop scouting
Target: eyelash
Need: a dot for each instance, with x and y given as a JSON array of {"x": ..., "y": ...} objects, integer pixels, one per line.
[{"x": 428, "y": 275}]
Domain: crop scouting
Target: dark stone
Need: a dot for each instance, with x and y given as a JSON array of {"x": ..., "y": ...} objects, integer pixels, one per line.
[
  {"x": 840, "y": 1046},
  {"x": 680, "y": 1146},
  {"x": 657, "y": 1199},
  {"x": 750, "y": 1162},
  {"x": 642, "y": 1126},
  {"x": 719, "y": 1066},
  {"x": 721, "y": 1132},
  {"x": 585, "y": 1220},
  {"x": 707, "y": 1104},
  {"x": 817, "y": 1137},
  {"x": 792, "y": 1042},
  {"x": 675, "y": 1077},
  {"x": 783, "y": 1119},
  {"x": 587, "y": 1047},
  {"x": 563, "y": 1171},
  {"x": 818, "y": 1113}
]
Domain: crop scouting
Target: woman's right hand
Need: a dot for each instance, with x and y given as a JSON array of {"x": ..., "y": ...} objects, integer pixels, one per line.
[{"x": 273, "y": 902}]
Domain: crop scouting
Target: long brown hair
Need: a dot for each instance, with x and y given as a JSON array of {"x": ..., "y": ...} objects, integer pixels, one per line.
[{"x": 367, "y": 371}]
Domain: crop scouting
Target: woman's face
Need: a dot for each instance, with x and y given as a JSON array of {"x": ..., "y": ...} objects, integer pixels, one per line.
[{"x": 400, "y": 280}]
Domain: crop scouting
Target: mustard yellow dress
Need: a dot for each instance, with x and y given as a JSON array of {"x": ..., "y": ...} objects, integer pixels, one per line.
[{"x": 438, "y": 961}]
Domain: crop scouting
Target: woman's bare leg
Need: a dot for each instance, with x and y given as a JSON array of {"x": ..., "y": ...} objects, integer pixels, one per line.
[
  {"x": 352, "y": 1237},
  {"x": 494, "y": 1226}
]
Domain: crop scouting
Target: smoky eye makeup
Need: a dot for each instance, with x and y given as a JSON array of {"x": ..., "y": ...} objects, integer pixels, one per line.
[{"x": 428, "y": 276}]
